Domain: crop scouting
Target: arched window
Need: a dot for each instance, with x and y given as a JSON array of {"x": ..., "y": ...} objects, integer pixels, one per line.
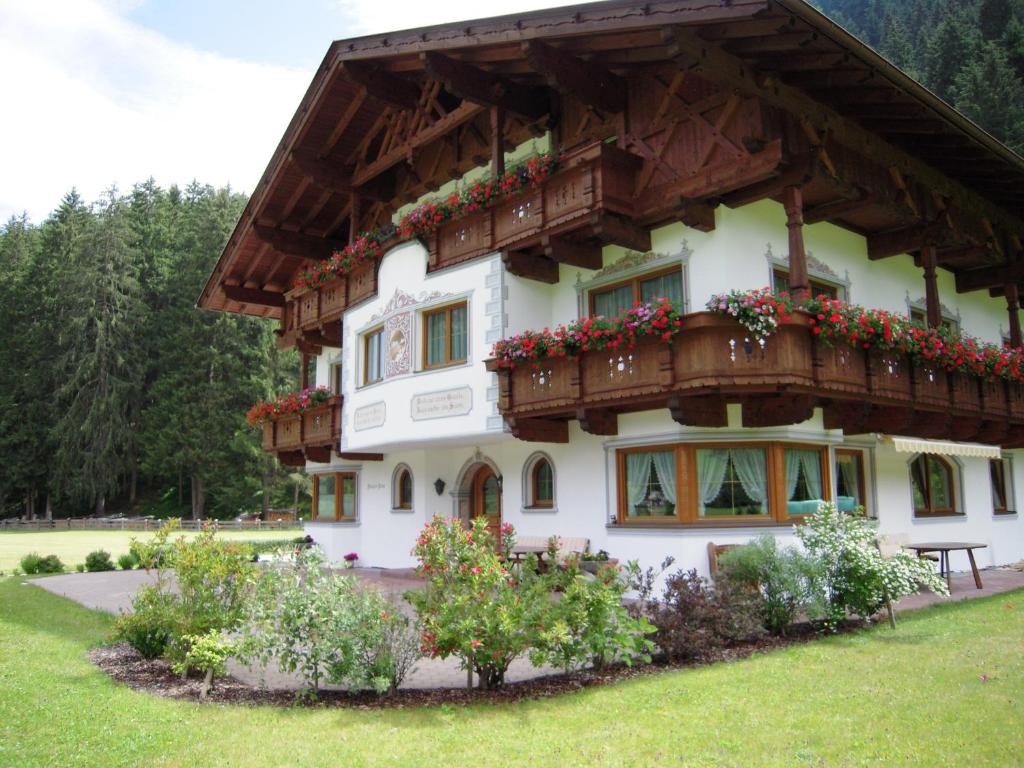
[
  {"x": 401, "y": 488},
  {"x": 539, "y": 490},
  {"x": 932, "y": 479}
]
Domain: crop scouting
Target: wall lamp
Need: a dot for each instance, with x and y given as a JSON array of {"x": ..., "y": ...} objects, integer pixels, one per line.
[{"x": 439, "y": 486}]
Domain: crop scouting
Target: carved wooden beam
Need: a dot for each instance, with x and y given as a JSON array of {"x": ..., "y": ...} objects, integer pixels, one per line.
[
  {"x": 615, "y": 230},
  {"x": 589, "y": 82},
  {"x": 798, "y": 173},
  {"x": 703, "y": 411},
  {"x": 583, "y": 255},
  {"x": 897, "y": 241},
  {"x": 598, "y": 421},
  {"x": 1013, "y": 310},
  {"x": 777, "y": 411},
  {"x": 835, "y": 210},
  {"x": 693, "y": 53},
  {"x": 799, "y": 282},
  {"x": 297, "y": 243},
  {"x": 319, "y": 454},
  {"x": 530, "y": 266},
  {"x": 349, "y": 456},
  {"x": 383, "y": 85},
  {"x": 539, "y": 430},
  {"x": 989, "y": 277},
  {"x": 330, "y": 176},
  {"x": 253, "y": 296},
  {"x": 291, "y": 458},
  {"x": 474, "y": 84},
  {"x": 933, "y": 307}
]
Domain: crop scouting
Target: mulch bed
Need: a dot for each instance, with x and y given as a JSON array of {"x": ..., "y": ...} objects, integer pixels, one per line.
[{"x": 124, "y": 664}]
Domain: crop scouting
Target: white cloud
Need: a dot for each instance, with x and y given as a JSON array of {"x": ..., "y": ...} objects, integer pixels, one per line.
[{"x": 92, "y": 99}]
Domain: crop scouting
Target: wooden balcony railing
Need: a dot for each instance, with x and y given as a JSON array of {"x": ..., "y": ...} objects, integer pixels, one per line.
[
  {"x": 583, "y": 206},
  {"x": 310, "y": 435},
  {"x": 714, "y": 361}
]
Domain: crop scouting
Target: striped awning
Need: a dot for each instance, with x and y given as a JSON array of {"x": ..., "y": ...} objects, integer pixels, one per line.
[{"x": 943, "y": 447}]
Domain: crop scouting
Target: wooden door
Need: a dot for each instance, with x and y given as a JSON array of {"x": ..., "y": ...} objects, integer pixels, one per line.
[{"x": 487, "y": 499}]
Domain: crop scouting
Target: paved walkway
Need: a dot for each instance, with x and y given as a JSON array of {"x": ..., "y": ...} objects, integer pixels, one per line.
[{"x": 112, "y": 591}]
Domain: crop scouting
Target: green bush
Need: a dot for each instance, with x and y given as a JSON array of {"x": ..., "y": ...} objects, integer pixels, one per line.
[
  {"x": 128, "y": 561},
  {"x": 782, "y": 578},
  {"x": 589, "y": 624},
  {"x": 79, "y": 567},
  {"x": 32, "y": 564},
  {"x": 321, "y": 625},
  {"x": 854, "y": 577},
  {"x": 209, "y": 654},
  {"x": 152, "y": 623},
  {"x": 99, "y": 561}
]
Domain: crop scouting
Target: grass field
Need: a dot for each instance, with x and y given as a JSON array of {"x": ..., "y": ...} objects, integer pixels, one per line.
[
  {"x": 947, "y": 688},
  {"x": 72, "y": 546}
]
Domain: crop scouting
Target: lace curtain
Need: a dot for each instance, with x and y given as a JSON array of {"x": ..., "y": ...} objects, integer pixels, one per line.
[{"x": 810, "y": 462}]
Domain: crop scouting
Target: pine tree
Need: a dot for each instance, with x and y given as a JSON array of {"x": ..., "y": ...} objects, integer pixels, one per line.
[
  {"x": 101, "y": 364},
  {"x": 988, "y": 91}
]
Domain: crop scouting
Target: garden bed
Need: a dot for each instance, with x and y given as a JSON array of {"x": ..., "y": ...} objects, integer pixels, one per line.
[{"x": 155, "y": 677}]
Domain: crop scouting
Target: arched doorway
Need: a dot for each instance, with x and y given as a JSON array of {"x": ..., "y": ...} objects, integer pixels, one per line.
[{"x": 485, "y": 498}]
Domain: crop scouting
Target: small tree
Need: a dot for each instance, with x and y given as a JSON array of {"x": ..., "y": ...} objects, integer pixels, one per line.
[
  {"x": 207, "y": 653},
  {"x": 473, "y": 607},
  {"x": 854, "y": 577}
]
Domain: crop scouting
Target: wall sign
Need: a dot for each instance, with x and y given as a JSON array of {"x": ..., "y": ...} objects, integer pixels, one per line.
[
  {"x": 369, "y": 416},
  {"x": 442, "y": 404}
]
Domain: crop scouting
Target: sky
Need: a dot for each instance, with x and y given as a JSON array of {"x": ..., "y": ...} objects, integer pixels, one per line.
[{"x": 101, "y": 93}]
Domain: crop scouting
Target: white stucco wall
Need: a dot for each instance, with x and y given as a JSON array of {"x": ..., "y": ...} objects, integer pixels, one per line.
[{"x": 732, "y": 256}]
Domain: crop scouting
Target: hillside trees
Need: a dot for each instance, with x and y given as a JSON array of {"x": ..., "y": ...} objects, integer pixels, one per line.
[{"x": 110, "y": 378}]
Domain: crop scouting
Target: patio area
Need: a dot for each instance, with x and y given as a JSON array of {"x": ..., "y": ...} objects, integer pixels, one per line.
[{"x": 112, "y": 591}]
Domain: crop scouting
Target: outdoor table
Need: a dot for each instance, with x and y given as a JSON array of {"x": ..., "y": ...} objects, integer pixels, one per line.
[
  {"x": 944, "y": 548},
  {"x": 519, "y": 553}
]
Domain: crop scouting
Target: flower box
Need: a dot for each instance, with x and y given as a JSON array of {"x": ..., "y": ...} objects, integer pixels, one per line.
[
  {"x": 889, "y": 376},
  {"x": 931, "y": 386},
  {"x": 994, "y": 399},
  {"x": 965, "y": 391}
]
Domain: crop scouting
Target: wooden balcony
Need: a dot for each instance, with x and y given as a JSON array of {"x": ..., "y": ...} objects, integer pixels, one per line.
[
  {"x": 714, "y": 361},
  {"x": 588, "y": 203},
  {"x": 310, "y": 435}
]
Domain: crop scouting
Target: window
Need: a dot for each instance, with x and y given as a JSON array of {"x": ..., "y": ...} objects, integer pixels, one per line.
[
  {"x": 780, "y": 282},
  {"x": 1001, "y": 473},
  {"x": 931, "y": 482},
  {"x": 334, "y": 496},
  {"x": 919, "y": 315},
  {"x": 402, "y": 488},
  {"x": 445, "y": 336},
  {"x": 373, "y": 356},
  {"x": 716, "y": 484},
  {"x": 613, "y": 300},
  {"x": 336, "y": 379},
  {"x": 539, "y": 483},
  {"x": 851, "y": 480}
]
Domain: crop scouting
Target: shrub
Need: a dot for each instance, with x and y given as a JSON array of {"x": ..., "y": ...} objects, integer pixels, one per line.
[
  {"x": 152, "y": 623},
  {"x": 322, "y": 626},
  {"x": 128, "y": 561},
  {"x": 33, "y": 564},
  {"x": 589, "y": 623},
  {"x": 783, "y": 579},
  {"x": 692, "y": 619},
  {"x": 99, "y": 561},
  {"x": 473, "y": 607},
  {"x": 207, "y": 653},
  {"x": 79, "y": 567},
  {"x": 854, "y": 577}
]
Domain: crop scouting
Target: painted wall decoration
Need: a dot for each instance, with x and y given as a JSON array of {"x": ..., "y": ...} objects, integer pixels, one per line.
[
  {"x": 398, "y": 344},
  {"x": 442, "y": 404},
  {"x": 369, "y": 416}
]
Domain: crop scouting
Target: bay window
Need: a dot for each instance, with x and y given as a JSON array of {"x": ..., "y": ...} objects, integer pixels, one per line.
[
  {"x": 729, "y": 484},
  {"x": 851, "y": 482}
]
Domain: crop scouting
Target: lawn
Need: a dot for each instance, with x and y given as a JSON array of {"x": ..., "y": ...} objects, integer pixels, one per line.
[
  {"x": 72, "y": 546},
  {"x": 947, "y": 688}
]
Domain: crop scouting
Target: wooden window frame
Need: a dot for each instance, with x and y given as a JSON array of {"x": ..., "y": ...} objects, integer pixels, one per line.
[
  {"x": 367, "y": 336},
  {"x": 949, "y": 322},
  {"x": 953, "y": 470},
  {"x": 448, "y": 360},
  {"x": 635, "y": 282},
  {"x": 535, "y": 501},
  {"x": 339, "y": 506},
  {"x": 336, "y": 378},
  {"x": 814, "y": 283},
  {"x": 1010, "y": 508},
  {"x": 687, "y": 506},
  {"x": 398, "y": 496},
  {"x": 862, "y": 483}
]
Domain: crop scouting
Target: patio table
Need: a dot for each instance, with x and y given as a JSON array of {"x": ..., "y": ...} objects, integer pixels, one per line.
[
  {"x": 519, "y": 553},
  {"x": 944, "y": 548}
]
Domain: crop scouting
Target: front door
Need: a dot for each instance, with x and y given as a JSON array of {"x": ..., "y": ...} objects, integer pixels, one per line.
[{"x": 487, "y": 499}]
